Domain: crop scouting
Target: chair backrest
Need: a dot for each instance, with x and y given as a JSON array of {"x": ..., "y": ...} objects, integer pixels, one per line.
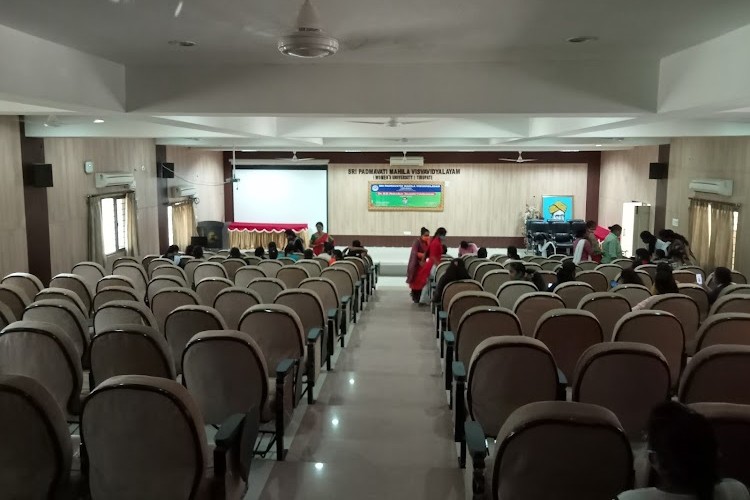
[
  {"x": 550, "y": 265},
  {"x": 120, "y": 424},
  {"x": 252, "y": 260},
  {"x": 215, "y": 258},
  {"x": 646, "y": 279},
  {"x": 608, "y": 308},
  {"x": 270, "y": 267},
  {"x": 190, "y": 268},
  {"x": 531, "y": 306},
  {"x": 135, "y": 272},
  {"x": 75, "y": 284},
  {"x": 130, "y": 350},
  {"x": 717, "y": 374},
  {"x": 510, "y": 291},
  {"x": 733, "y": 303},
  {"x": 341, "y": 278},
  {"x": 184, "y": 322},
  {"x": 325, "y": 289},
  {"x": 699, "y": 295},
  {"x": 232, "y": 266},
  {"x": 30, "y": 284},
  {"x": 567, "y": 333},
  {"x": 267, "y": 288},
  {"x": 6, "y": 316},
  {"x": 623, "y": 263},
  {"x": 627, "y": 378},
  {"x": 169, "y": 299},
  {"x": 588, "y": 265},
  {"x": 738, "y": 277},
  {"x": 557, "y": 444},
  {"x": 572, "y": 292},
  {"x": 159, "y": 283},
  {"x": 14, "y": 298},
  {"x": 306, "y": 304},
  {"x": 471, "y": 266},
  {"x": 111, "y": 293},
  {"x": 312, "y": 266},
  {"x": 231, "y": 360},
  {"x": 36, "y": 453},
  {"x": 232, "y": 302},
  {"x": 350, "y": 267},
  {"x": 611, "y": 271},
  {"x": 208, "y": 270},
  {"x": 659, "y": 329},
  {"x": 596, "y": 279},
  {"x": 480, "y": 323},
  {"x": 634, "y": 294},
  {"x": 360, "y": 263},
  {"x": 65, "y": 315},
  {"x": 158, "y": 262},
  {"x": 453, "y": 288},
  {"x": 463, "y": 301},
  {"x": 483, "y": 268},
  {"x": 114, "y": 280},
  {"x": 549, "y": 277},
  {"x": 292, "y": 276},
  {"x": 731, "y": 425},
  {"x": 246, "y": 274},
  {"x": 506, "y": 373},
  {"x": 649, "y": 268},
  {"x": 278, "y": 332},
  {"x": 44, "y": 352},
  {"x": 125, "y": 259},
  {"x": 145, "y": 261},
  {"x": 686, "y": 310},
  {"x": 62, "y": 294},
  {"x": 90, "y": 273},
  {"x": 494, "y": 278},
  {"x": 172, "y": 271},
  {"x": 322, "y": 261},
  {"x": 285, "y": 261},
  {"x": 735, "y": 288},
  {"x": 724, "y": 328},
  {"x": 440, "y": 270},
  {"x": 208, "y": 288},
  {"x": 683, "y": 276},
  {"x": 123, "y": 312}
]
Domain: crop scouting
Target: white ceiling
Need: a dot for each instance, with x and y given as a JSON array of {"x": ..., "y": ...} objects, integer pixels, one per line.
[{"x": 486, "y": 74}]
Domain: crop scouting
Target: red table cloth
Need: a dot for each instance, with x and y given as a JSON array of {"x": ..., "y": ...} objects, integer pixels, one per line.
[{"x": 265, "y": 227}]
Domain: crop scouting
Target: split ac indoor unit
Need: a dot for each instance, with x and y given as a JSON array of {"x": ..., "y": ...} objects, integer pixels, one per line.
[
  {"x": 407, "y": 161},
  {"x": 183, "y": 192},
  {"x": 721, "y": 187},
  {"x": 104, "y": 180}
]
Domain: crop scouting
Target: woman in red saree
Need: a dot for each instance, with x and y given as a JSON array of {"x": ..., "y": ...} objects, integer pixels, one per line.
[
  {"x": 431, "y": 260},
  {"x": 319, "y": 239},
  {"x": 416, "y": 258}
]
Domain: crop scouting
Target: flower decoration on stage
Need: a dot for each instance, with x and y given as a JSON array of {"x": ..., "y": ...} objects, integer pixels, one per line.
[{"x": 531, "y": 211}]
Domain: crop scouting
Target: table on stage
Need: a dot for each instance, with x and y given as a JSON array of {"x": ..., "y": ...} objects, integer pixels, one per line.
[{"x": 247, "y": 235}]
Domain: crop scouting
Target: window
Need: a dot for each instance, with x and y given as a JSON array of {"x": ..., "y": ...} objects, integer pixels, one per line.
[
  {"x": 170, "y": 226},
  {"x": 114, "y": 225}
]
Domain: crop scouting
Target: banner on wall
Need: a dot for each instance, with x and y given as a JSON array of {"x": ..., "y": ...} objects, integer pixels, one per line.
[
  {"x": 557, "y": 207},
  {"x": 414, "y": 196}
]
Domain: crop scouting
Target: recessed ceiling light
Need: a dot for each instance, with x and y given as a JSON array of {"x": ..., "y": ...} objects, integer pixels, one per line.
[
  {"x": 598, "y": 145},
  {"x": 583, "y": 39},
  {"x": 569, "y": 150},
  {"x": 182, "y": 43},
  {"x": 46, "y": 124},
  {"x": 98, "y": 120}
]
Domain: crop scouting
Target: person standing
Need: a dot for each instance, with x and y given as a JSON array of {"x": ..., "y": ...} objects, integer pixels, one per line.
[
  {"x": 319, "y": 239},
  {"x": 430, "y": 261},
  {"x": 611, "y": 249},
  {"x": 416, "y": 257},
  {"x": 596, "y": 247},
  {"x": 582, "y": 248}
]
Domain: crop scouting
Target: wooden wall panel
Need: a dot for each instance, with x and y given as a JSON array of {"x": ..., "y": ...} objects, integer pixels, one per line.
[
  {"x": 712, "y": 158},
  {"x": 13, "y": 255},
  {"x": 624, "y": 177},
  {"x": 483, "y": 200},
  {"x": 203, "y": 170},
  {"x": 68, "y": 198}
]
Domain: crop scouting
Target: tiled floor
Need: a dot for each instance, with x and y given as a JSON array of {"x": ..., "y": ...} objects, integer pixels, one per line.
[{"x": 381, "y": 428}]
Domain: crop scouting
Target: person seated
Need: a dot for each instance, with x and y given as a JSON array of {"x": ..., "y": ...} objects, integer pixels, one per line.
[
  {"x": 456, "y": 271},
  {"x": 273, "y": 252},
  {"x": 308, "y": 254},
  {"x": 234, "y": 253},
  {"x": 336, "y": 256},
  {"x": 566, "y": 273},
  {"x": 327, "y": 251},
  {"x": 356, "y": 249},
  {"x": 663, "y": 283},
  {"x": 467, "y": 248},
  {"x": 683, "y": 453},
  {"x": 260, "y": 252},
  {"x": 536, "y": 279},
  {"x": 294, "y": 251},
  {"x": 630, "y": 277},
  {"x": 676, "y": 258},
  {"x": 172, "y": 253},
  {"x": 198, "y": 252},
  {"x": 642, "y": 256},
  {"x": 722, "y": 279},
  {"x": 513, "y": 253},
  {"x": 293, "y": 239},
  {"x": 659, "y": 256},
  {"x": 517, "y": 271},
  {"x": 482, "y": 253},
  {"x": 195, "y": 251}
]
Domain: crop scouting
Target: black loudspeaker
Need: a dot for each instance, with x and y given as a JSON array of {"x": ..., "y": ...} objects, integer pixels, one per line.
[
  {"x": 40, "y": 175},
  {"x": 200, "y": 241},
  {"x": 215, "y": 232},
  {"x": 165, "y": 170},
  {"x": 658, "y": 170}
]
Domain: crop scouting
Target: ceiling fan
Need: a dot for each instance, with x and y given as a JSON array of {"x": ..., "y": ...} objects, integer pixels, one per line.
[
  {"x": 392, "y": 123},
  {"x": 520, "y": 158},
  {"x": 295, "y": 158}
]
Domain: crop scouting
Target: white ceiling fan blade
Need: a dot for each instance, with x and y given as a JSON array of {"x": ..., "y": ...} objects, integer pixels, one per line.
[
  {"x": 514, "y": 160},
  {"x": 367, "y": 122},
  {"x": 412, "y": 122},
  {"x": 524, "y": 160}
]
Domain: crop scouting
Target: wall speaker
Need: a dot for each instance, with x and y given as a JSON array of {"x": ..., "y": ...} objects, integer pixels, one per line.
[
  {"x": 40, "y": 175},
  {"x": 658, "y": 170},
  {"x": 165, "y": 170}
]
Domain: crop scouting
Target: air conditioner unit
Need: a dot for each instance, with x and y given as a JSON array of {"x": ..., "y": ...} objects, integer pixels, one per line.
[
  {"x": 182, "y": 192},
  {"x": 104, "y": 180},
  {"x": 407, "y": 161},
  {"x": 721, "y": 187}
]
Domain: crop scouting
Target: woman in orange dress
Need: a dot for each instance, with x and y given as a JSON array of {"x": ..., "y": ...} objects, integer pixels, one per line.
[{"x": 418, "y": 250}]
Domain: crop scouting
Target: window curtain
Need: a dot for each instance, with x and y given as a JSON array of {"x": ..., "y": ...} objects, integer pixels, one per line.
[
  {"x": 699, "y": 237},
  {"x": 96, "y": 240},
  {"x": 131, "y": 213},
  {"x": 183, "y": 224},
  {"x": 722, "y": 232}
]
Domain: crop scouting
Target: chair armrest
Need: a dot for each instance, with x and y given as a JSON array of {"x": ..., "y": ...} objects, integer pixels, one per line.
[
  {"x": 345, "y": 299},
  {"x": 449, "y": 337},
  {"x": 230, "y": 431},
  {"x": 443, "y": 315},
  {"x": 475, "y": 439},
  {"x": 283, "y": 368},
  {"x": 561, "y": 378},
  {"x": 314, "y": 334},
  {"x": 235, "y": 441},
  {"x": 332, "y": 313},
  {"x": 459, "y": 371}
]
